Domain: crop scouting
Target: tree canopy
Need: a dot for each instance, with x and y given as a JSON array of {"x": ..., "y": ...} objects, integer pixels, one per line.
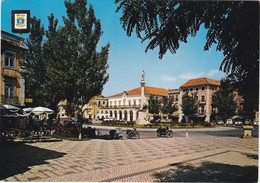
[
  {"x": 168, "y": 106},
  {"x": 153, "y": 104},
  {"x": 189, "y": 104},
  {"x": 224, "y": 99},
  {"x": 232, "y": 25},
  {"x": 63, "y": 62}
]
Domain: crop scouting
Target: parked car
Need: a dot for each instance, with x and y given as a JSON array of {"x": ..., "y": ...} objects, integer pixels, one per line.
[
  {"x": 122, "y": 120},
  {"x": 95, "y": 120},
  {"x": 220, "y": 122},
  {"x": 108, "y": 119},
  {"x": 238, "y": 122},
  {"x": 248, "y": 122},
  {"x": 256, "y": 123},
  {"x": 229, "y": 122}
]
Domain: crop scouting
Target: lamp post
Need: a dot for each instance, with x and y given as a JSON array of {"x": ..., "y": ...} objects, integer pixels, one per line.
[{"x": 187, "y": 132}]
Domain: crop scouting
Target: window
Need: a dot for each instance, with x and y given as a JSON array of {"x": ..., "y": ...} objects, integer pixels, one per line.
[
  {"x": 202, "y": 109},
  {"x": 9, "y": 90},
  {"x": 197, "y": 89},
  {"x": 10, "y": 59},
  {"x": 202, "y": 98},
  {"x": 191, "y": 89},
  {"x": 203, "y": 88}
]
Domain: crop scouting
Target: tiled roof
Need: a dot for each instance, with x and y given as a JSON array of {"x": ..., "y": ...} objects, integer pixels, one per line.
[
  {"x": 201, "y": 81},
  {"x": 147, "y": 91}
]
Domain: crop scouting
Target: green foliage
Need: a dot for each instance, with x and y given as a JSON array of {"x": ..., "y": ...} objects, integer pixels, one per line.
[
  {"x": 168, "y": 106},
  {"x": 33, "y": 68},
  {"x": 153, "y": 104},
  {"x": 250, "y": 106},
  {"x": 232, "y": 25},
  {"x": 223, "y": 99},
  {"x": 70, "y": 66},
  {"x": 189, "y": 104}
]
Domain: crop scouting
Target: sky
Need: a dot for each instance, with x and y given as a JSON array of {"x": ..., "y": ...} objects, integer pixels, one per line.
[{"x": 127, "y": 56}]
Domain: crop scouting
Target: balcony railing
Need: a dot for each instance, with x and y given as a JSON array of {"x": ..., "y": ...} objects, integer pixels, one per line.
[
  {"x": 121, "y": 106},
  {"x": 10, "y": 100},
  {"x": 13, "y": 73},
  {"x": 15, "y": 40},
  {"x": 202, "y": 111}
]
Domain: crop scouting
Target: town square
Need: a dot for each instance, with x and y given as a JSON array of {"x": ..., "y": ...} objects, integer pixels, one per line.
[{"x": 129, "y": 91}]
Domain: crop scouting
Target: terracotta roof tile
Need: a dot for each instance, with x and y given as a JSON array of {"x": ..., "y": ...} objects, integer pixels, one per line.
[
  {"x": 201, "y": 81},
  {"x": 147, "y": 91}
]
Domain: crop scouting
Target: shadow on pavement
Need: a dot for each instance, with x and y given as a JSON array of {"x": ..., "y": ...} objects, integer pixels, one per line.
[
  {"x": 17, "y": 158},
  {"x": 104, "y": 137},
  {"x": 209, "y": 172},
  {"x": 229, "y": 133}
]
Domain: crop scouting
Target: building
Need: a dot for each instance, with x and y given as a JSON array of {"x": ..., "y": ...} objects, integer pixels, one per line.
[
  {"x": 12, "y": 88},
  {"x": 90, "y": 110},
  {"x": 130, "y": 105},
  {"x": 175, "y": 93},
  {"x": 204, "y": 87},
  {"x": 62, "y": 105}
]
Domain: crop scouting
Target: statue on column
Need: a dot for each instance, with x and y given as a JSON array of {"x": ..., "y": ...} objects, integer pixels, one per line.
[{"x": 143, "y": 75}]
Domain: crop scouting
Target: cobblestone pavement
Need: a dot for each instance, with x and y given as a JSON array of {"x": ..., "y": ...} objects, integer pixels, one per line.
[{"x": 143, "y": 160}]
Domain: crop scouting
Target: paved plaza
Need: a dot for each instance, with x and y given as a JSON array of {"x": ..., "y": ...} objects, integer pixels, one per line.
[{"x": 179, "y": 159}]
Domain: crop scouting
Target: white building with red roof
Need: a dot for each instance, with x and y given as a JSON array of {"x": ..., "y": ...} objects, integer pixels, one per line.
[{"x": 128, "y": 105}]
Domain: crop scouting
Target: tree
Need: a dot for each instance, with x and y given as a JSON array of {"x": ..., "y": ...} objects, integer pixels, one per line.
[
  {"x": 168, "y": 106},
  {"x": 189, "y": 104},
  {"x": 223, "y": 99},
  {"x": 232, "y": 25},
  {"x": 153, "y": 104},
  {"x": 33, "y": 66},
  {"x": 71, "y": 67}
]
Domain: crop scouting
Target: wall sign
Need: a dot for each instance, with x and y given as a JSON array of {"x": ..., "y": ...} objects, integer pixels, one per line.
[{"x": 21, "y": 21}]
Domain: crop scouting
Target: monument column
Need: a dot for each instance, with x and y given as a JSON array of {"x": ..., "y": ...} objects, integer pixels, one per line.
[
  {"x": 142, "y": 111},
  {"x": 142, "y": 90}
]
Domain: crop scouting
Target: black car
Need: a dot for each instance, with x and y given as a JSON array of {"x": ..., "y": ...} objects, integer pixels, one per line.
[{"x": 248, "y": 122}]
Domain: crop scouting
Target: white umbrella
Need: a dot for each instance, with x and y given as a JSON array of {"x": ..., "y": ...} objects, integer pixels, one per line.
[
  {"x": 27, "y": 110},
  {"x": 41, "y": 110},
  {"x": 9, "y": 107}
]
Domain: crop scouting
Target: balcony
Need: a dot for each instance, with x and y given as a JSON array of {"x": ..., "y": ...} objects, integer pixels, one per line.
[
  {"x": 202, "y": 101},
  {"x": 11, "y": 73},
  {"x": 15, "y": 40},
  {"x": 10, "y": 100},
  {"x": 121, "y": 107},
  {"x": 202, "y": 111}
]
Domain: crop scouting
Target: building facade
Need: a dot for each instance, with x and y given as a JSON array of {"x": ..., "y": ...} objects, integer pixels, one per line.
[
  {"x": 130, "y": 105},
  {"x": 90, "y": 110},
  {"x": 175, "y": 93},
  {"x": 204, "y": 87},
  {"x": 12, "y": 88}
]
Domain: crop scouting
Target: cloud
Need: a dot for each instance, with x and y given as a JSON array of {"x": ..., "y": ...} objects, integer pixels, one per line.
[
  {"x": 212, "y": 72},
  {"x": 176, "y": 81},
  {"x": 168, "y": 78},
  {"x": 191, "y": 75}
]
